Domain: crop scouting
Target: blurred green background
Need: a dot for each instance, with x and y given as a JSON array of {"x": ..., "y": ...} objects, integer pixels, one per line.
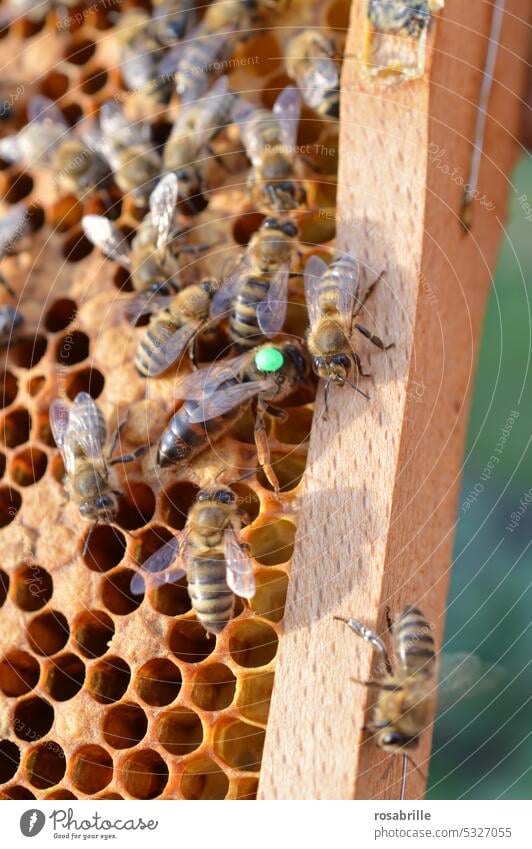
[{"x": 483, "y": 746}]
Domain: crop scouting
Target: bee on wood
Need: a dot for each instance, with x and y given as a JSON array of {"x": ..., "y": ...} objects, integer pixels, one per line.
[
  {"x": 270, "y": 142},
  {"x": 47, "y": 141},
  {"x": 255, "y": 295},
  {"x": 174, "y": 327},
  {"x": 129, "y": 149},
  {"x": 13, "y": 225},
  {"x": 216, "y": 564},
  {"x": 151, "y": 260},
  {"x": 332, "y": 300},
  {"x": 309, "y": 62},
  {"x": 412, "y": 18},
  {"x": 217, "y": 396},
  {"x": 187, "y": 151},
  {"x": 407, "y": 693},
  {"x": 80, "y": 434},
  {"x": 397, "y": 41}
]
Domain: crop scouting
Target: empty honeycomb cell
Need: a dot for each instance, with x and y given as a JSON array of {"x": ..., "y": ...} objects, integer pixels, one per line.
[
  {"x": 9, "y": 760},
  {"x": 27, "y": 352},
  {"x": 45, "y": 765},
  {"x": 16, "y": 427},
  {"x": 122, "y": 280},
  {"x": 60, "y": 314},
  {"x": 79, "y": 51},
  {"x": 64, "y": 677},
  {"x": 85, "y": 380},
  {"x": 137, "y": 506},
  {"x": 149, "y": 541},
  {"x": 179, "y": 731},
  {"x": 104, "y": 547},
  {"x": 72, "y": 348},
  {"x": 33, "y": 719},
  {"x": 124, "y": 726},
  {"x": 9, "y": 389},
  {"x": 54, "y": 85},
  {"x": 28, "y": 467},
  {"x": 72, "y": 112},
  {"x": 213, "y": 687},
  {"x": 10, "y": 502},
  {"x": 246, "y": 788},
  {"x": 270, "y": 596},
  {"x": 19, "y": 673},
  {"x": 35, "y": 384},
  {"x": 76, "y": 247},
  {"x": 144, "y": 774},
  {"x": 110, "y": 796},
  {"x": 36, "y": 217},
  {"x": 116, "y": 593},
  {"x": 272, "y": 543},
  {"x": 91, "y": 769},
  {"x": 17, "y": 791},
  {"x": 158, "y": 682},
  {"x": 254, "y": 697},
  {"x": 64, "y": 214},
  {"x": 252, "y": 643},
  {"x": 43, "y": 431},
  {"x": 93, "y": 631},
  {"x": 94, "y": 81},
  {"x": 4, "y": 587},
  {"x": 318, "y": 228},
  {"x": 248, "y": 502},
  {"x": 176, "y": 503},
  {"x": 171, "y": 599},
  {"x": 48, "y": 632},
  {"x": 61, "y": 794},
  {"x": 19, "y": 186},
  {"x": 109, "y": 679},
  {"x": 289, "y": 469},
  {"x": 203, "y": 779},
  {"x": 245, "y": 225},
  {"x": 296, "y": 429},
  {"x": 32, "y": 587},
  {"x": 240, "y": 745},
  {"x": 57, "y": 469},
  {"x": 3, "y": 463},
  {"x": 189, "y": 641}
]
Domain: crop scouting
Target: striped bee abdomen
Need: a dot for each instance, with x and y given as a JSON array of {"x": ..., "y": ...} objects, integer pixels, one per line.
[
  {"x": 211, "y": 598},
  {"x": 148, "y": 355},
  {"x": 413, "y": 642},
  {"x": 243, "y": 326}
]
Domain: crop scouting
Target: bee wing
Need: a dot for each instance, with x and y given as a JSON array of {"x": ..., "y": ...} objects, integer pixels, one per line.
[
  {"x": 11, "y": 149},
  {"x": 116, "y": 128},
  {"x": 287, "y": 108},
  {"x": 86, "y": 430},
  {"x": 314, "y": 270},
  {"x": 271, "y": 312},
  {"x": 215, "y": 110},
  {"x": 12, "y": 226},
  {"x": 158, "y": 561},
  {"x": 132, "y": 309},
  {"x": 42, "y": 110},
  {"x": 242, "y": 114},
  {"x": 207, "y": 380},
  {"x": 348, "y": 291},
  {"x": 59, "y": 420},
  {"x": 173, "y": 346},
  {"x": 239, "y": 570},
  {"x": 163, "y": 200},
  {"x": 466, "y": 675},
  {"x": 222, "y": 301},
  {"x": 137, "y": 69},
  {"x": 227, "y": 398},
  {"x": 106, "y": 236}
]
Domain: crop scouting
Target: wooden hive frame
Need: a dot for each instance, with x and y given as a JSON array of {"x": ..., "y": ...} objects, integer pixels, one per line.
[{"x": 377, "y": 473}]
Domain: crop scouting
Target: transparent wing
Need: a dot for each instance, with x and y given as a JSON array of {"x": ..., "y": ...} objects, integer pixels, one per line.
[
  {"x": 222, "y": 301},
  {"x": 215, "y": 110},
  {"x": 133, "y": 309},
  {"x": 250, "y": 120},
  {"x": 11, "y": 149},
  {"x": 239, "y": 571},
  {"x": 171, "y": 61},
  {"x": 59, "y": 416},
  {"x": 287, "y": 108},
  {"x": 227, "y": 398},
  {"x": 103, "y": 233},
  {"x": 137, "y": 68},
  {"x": 271, "y": 312},
  {"x": 348, "y": 280},
  {"x": 173, "y": 346},
  {"x": 464, "y": 675},
  {"x": 158, "y": 561},
  {"x": 118, "y": 130},
  {"x": 163, "y": 200},
  {"x": 12, "y": 227},
  {"x": 207, "y": 380},
  {"x": 314, "y": 270},
  {"x": 42, "y": 110},
  {"x": 87, "y": 431}
]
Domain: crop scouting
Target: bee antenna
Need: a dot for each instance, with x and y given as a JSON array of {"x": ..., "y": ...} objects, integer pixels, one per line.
[
  {"x": 88, "y": 537},
  {"x": 406, "y": 760},
  {"x": 354, "y": 386}
]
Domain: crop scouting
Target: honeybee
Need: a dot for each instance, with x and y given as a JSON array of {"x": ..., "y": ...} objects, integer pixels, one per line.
[
  {"x": 309, "y": 62},
  {"x": 141, "y": 55},
  {"x": 407, "y": 694},
  {"x": 172, "y": 19},
  {"x": 174, "y": 326},
  {"x": 333, "y": 303},
  {"x": 256, "y": 294},
  {"x": 396, "y": 15},
  {"x": 80, "y": 434},
  {"x": 269, "y": 139},
  {"x": 396, "y": 44},
  {"x": 47, "y": 141},
  {"x": 152, "y": 262},
  {"x": 130, "y": 151},
  {"x": 216, "y": 564},
  {"x": 187, "y": 151},
  {"x": 217, "y": 396},
  {"x": 13, "y": 225}
]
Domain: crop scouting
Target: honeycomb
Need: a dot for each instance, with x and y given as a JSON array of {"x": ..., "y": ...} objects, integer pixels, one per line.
[{"x": 105, "y": 694}]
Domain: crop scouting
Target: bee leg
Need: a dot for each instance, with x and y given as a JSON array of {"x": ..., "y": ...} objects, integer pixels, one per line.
[
  {"x": 378, "y": 685},
  {"x": 263, "y": 448},
  {"x": 7, "y": 287},
  {"x": 114, "y": 438},
  {"x": 358, "y": 364},
  {"x": 192, "y": 352},
  {"x": 375, "y": 340},
  {"x": 276, "y": 413},
  {"x": 326, "y": 390},
  {"x": 129, "y": 458}
]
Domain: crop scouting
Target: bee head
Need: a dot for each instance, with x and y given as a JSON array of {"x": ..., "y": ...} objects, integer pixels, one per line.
[
  {"x": 295, "y": 355},
  {"x": 283, "y": 194},
  {"x": 103, "y": 508},
  {"x": 391, "y": 741}
]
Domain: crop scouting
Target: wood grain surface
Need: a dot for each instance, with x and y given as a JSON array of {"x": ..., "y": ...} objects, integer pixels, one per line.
[{"x": 380, "y": 494}]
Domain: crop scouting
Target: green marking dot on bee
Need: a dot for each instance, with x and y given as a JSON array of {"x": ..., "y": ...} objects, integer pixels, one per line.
[{"x": 269, "y": 359}]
